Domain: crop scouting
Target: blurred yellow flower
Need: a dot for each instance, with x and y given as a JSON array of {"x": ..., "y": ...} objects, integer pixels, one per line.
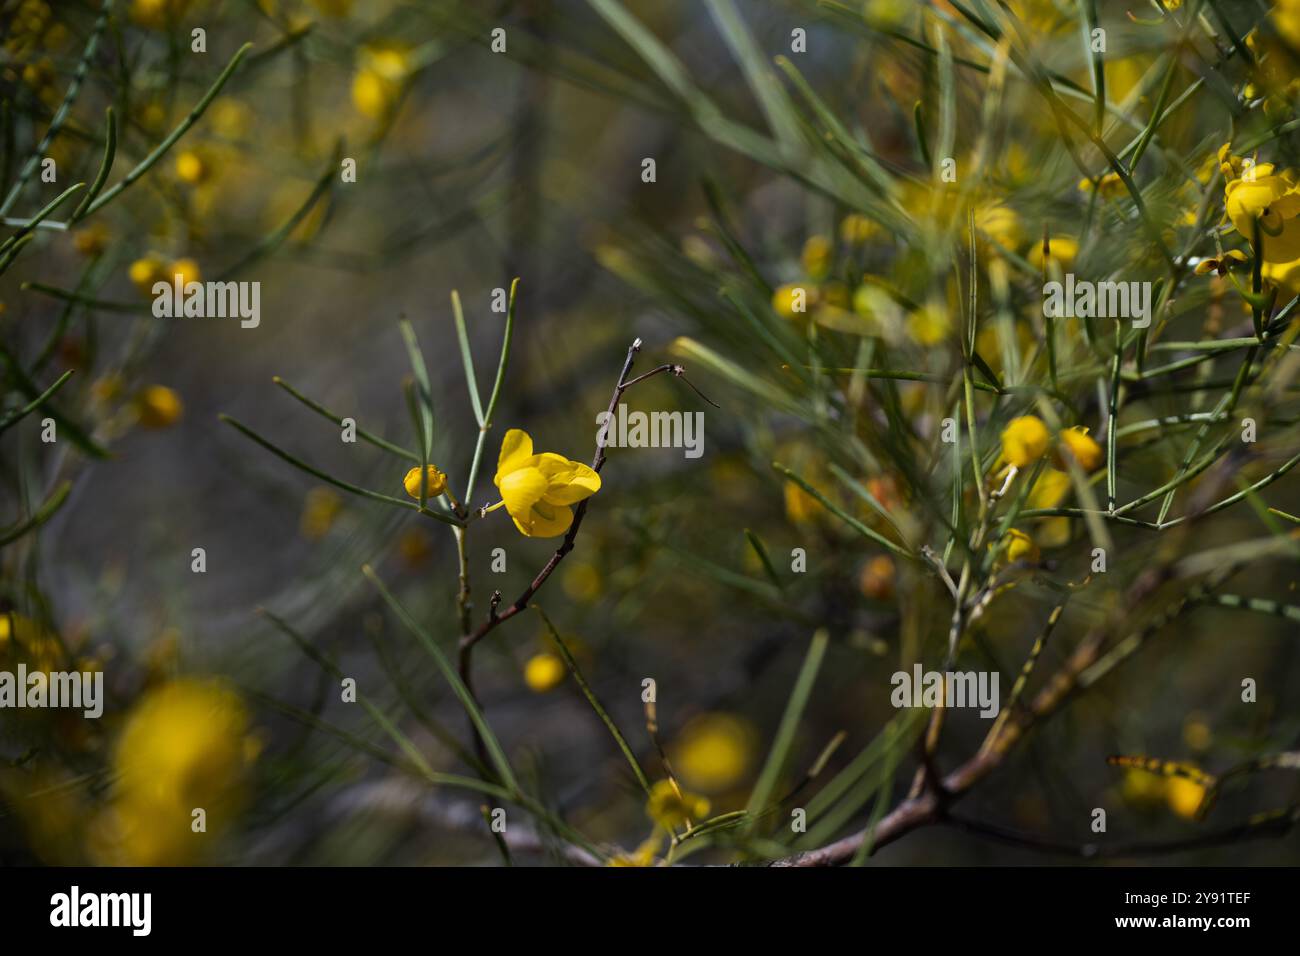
[
  {"x": 91, "y": 240},
  {"x": 156, "y": 14},
  {"x": 381, "y": 73},
  {"x": 1184, "y": 796},
  {"x": 1050, "y": 489},
  {"x": 435, "y": 482},
  {"x": 581, "y": 581},
  {"x": 793, "y": 299},
  {"x": 818, "y": 253},
  {"x": 157, "y": 406},
  {"x": 145, "y": 271},
  {"x": 1286, "y": 20},
  {"x": 319, "y": 511},
  {"x": 1062, "y": 250},
  {"x": 187, "y": 269},
  {"x": 1000, "y": 225},
  {"x": 644, "y": 855},
  {"x": 1025, "y": 440},
  {"x": 855, "y": 229},
  {"x": 670, "y": 809},
  {"x": 715, "y": 751},
  {"x": 1079, "y": 444},
  {"x": 190, "y": 167},
  {"x": 185, "y": 746},
  {"x": 929, "y": 325},
  {"x": 539, "y": 490},
  {"x": 1109, "y": 186},
  {"x": 544, "y": 672}
]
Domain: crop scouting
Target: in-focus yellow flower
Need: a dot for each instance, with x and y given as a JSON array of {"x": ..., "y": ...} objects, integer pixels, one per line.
[
  {"x": 539, "y": 490},
  {"x": 1271, "y": 198},
  {"x": 670, "y": 809},
  {"x": 1062, "y": 250},
  {"x": 715, "y": 751},
  {"x": 818, "y": 253},
  {"x": 544, "y": 672},
  {"x": 319, "y": 511},
  {"x": 1078, "y": 443},
  {"x": 793, "y": 299},
  {"x": 158, "y": 406},
  {"x": 1025, "y": 440},
  {"x": 186, "y": 746},
  {"x": 435, "y": 481},
  {"x": 382, "y": 71},
  {"x": 1018, "y": 546}
]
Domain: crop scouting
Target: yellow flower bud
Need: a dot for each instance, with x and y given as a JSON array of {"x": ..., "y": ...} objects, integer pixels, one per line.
[
  {"x": 435, "y": 481},
  {"x": 191, "y": 168},
  {"x": 818, "y": 252}
]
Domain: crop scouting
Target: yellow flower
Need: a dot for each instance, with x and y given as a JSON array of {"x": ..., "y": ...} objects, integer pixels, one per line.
[
  {"x": 856, "y": 229},
  {"x": 784, "y": 300},
  {"x": 671, "y": 809},
  {"x": 1286, "y": 20},
  {"x": 157, "y": 406},
  {"x": 1272, "y": 198},
  {"x": 539, "y": 490},
  {"x": 185, "y": 746},
  {"x": 1061, "y": 249},
  {"x": 156, "y": 14},
  {"x": 379, "y": 79},
  {"x": 1080, "y": 444},
  {"x": 644, "y": 855},
  {"x": 144, "y": 272},
  {"x": 1001, "y": 225},
  {"x": 1184, "y": 796},
  {"x": 1109, "y": 186},
  {"x": 818, "y": 252},
  {"x": 544, "y": 672},
  {"x": 187, "y": 269},
  {"x": 715, "y": 751},
  {"x": 1050, "y": 489},
  {"x": 929, "y": 325},
  {"x": 91, "y": 240},
  {"x": 319, "y": 510},
  {"x": 191, "y": 168},
  {"x": 1018, "y": 546},
  {"x": 1025, "y": 440},
  {"x": 435, "y": 481}
]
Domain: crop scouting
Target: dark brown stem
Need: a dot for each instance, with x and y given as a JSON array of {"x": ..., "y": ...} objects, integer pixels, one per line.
[{"x": 496, "y": 617}]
